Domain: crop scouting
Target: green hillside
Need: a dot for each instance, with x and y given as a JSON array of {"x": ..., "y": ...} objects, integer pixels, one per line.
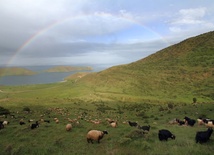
[
  {"x": 67, "y": 69},
  {"x": 180, "y": 72},
  {"x": 15, "y": 71}
]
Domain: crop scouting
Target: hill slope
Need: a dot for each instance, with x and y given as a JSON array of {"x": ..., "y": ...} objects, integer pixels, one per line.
[
  {"x": 67, "y": 69},
  {"x": 179, "y": 72}
]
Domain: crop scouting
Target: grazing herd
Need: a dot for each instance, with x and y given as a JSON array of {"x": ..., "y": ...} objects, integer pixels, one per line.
[
  {"x": 201, "y": 136},
  {"x": 97, "y": 135},
  {"x": 164, "y": 134}
]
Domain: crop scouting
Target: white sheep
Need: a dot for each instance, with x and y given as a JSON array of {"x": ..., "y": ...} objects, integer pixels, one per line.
[
  {"x": 114, "y": 124},
  {"x": 68, "y": 127},
  {"x": 5, "y": 123},
  {"x": 200, "y": 121},
  {"x": 209, "y": 124},
  {"x": 57, "y": 121},
  {"x": 95, "y": 135}
]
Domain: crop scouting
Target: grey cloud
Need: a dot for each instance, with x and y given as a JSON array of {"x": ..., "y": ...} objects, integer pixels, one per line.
[
  {"x": 85, "y": 31},
  {"x": 92, "y": 52}
]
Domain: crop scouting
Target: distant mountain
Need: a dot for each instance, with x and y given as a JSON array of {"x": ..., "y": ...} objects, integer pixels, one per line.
[
  {"x": 67, "y": 69},
  {"x": 180, "y": 72},
  {"x": 6, "y": 71}
]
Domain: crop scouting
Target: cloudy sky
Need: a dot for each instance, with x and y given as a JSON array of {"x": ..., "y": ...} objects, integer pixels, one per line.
[{"x": 96, "y": 32}]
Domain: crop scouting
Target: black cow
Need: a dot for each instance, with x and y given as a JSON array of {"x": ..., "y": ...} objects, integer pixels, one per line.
[
  {"x": 189, "y": 121},
  {"x": 203, "y": 136},
  {"x": 165, "y": 134},
  {"x": 132, "y": 123}
]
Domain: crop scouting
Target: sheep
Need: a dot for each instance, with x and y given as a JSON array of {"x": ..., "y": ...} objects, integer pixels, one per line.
[
  {"x": 68, "y": 127},
  {"x": 189, "y": 121},
  {"x": 5, "y": 123},
  {"x": 209, "y": 123},
  {"x": 200, "y": 121},
  {"x": 174, "y": 121},
  {"x": 144, "y": 128},
  {"x": 12, "y": 116},
  {"x": 110, "y": 120},
  {"x": 132, "y": 123},
  {"x": 113, "y": 124},
  {"x": 21, "y": 122},
  {"x": 70, "y": 120},
  {"x": 165, "y": 134},
  {"x": 180, "y": 122},
  {"x": 95, "y": 135},
  {"x": 57, "y": 121},
  {"x": 47, "y": 121},
  {"x": 30, "y": 120},
  {"x": 203, "y": 136},
  {"x": 205, "y": 120},
  {"x": 35, "y": 125}
]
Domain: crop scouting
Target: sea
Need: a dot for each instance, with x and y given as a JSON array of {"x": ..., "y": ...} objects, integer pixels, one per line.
[{"x": 41, "y": 78}]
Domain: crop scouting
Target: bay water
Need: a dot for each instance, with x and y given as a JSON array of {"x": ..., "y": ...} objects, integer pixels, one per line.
[{"x": 40, "y": 78}]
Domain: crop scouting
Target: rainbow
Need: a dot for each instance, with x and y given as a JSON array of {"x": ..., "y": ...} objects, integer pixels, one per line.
[{"x": 42, "y": 31}]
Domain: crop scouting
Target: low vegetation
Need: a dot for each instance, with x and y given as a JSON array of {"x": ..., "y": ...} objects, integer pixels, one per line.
[{"x": 55, "y": 139}]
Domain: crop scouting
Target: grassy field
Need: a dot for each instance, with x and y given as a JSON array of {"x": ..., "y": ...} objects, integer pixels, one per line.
[{"x": 59, "y": 101}]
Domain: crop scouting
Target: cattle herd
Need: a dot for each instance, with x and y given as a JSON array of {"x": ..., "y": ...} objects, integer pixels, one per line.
[{"x": 96, "y": 135}]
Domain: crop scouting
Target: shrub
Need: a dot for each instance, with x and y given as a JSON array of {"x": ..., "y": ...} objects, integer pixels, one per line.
[
  {"x": 124, "y": 140},
  {"x": 4, "y": 111},
  {"x": 27, "y": 109},
  {"x": 194, "y": 100},
  {"x": 170, "y": 105},
  {"x": 135, "y": 134},
  {"x": 145, "y": 145},
  {"x": 161, "y": 109},
  {"x": 156, "y": 118},
  {"x": 168, "y": 112}
]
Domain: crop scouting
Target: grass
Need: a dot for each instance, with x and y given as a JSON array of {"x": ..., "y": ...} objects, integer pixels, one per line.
[{"x": 51, "y": 138}]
